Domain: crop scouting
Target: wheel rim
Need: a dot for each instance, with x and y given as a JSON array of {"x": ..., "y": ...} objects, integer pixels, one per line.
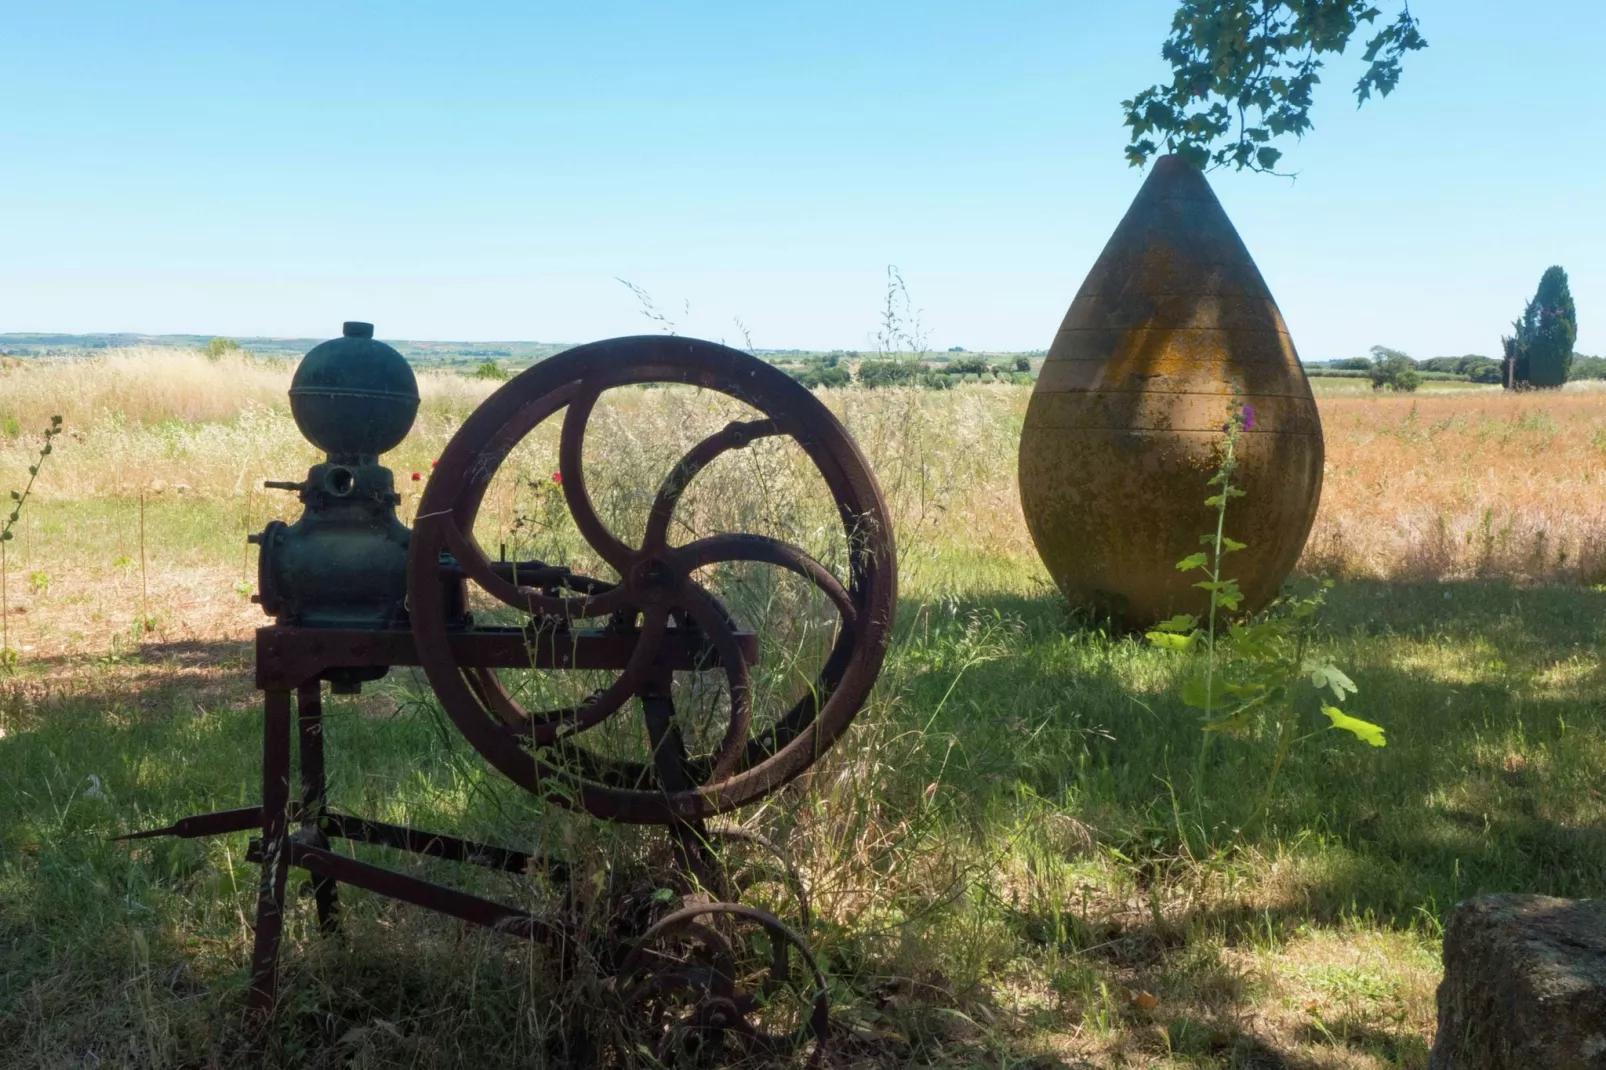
[{"x": 726, "y": 981}]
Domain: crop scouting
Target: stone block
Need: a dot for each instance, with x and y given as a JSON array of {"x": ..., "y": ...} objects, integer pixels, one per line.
[{"x": 1524, "y": 985}]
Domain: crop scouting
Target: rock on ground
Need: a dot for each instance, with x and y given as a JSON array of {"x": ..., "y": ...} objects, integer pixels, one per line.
[{"x": 1524, "y": 985}]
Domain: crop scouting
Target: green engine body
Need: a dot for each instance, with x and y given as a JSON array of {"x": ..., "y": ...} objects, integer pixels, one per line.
[{"x": 343, "y": 564}]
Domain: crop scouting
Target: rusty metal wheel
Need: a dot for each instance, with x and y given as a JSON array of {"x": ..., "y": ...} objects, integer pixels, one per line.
[
  {"x": 656, "y": 602},
  {"x": 757, "y": 871},
  {"x": 726, "y": 985}
]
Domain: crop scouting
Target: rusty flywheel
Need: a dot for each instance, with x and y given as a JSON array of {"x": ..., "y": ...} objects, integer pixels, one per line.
[{"x": 657, "y": 601}]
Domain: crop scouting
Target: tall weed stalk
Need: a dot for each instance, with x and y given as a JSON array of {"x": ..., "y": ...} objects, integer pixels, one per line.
[
  {"x": 1254, "y": 675},
  {"x": 19, "y": 498}
]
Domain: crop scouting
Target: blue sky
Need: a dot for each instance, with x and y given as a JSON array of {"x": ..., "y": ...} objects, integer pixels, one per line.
[{"x": 487, "y": 171}]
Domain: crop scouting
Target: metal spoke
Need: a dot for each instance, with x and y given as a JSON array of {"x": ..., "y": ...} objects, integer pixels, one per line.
[
  {"x": 734, "y": 746},
  {"x": 740, "y": 546},
  {"x": 734, "y": 436},
  {"x": 571, "y": 465},
  {"x": 599, "y": 707}
]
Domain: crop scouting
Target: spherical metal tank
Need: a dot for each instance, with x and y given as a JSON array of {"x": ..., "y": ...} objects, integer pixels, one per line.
[
  {"x": 1172, "y": 327},
  {"x": 353, "y": 397}
]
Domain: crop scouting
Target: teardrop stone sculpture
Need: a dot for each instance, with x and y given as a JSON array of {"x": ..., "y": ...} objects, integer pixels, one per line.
[{"x": 1171, "y": 328}]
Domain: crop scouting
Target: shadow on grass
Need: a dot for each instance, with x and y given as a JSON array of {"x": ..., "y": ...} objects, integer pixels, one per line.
[
  {"x": 1492, "y": 698},
  {"x": 178, "y": 654},
  {"x": 1491, "y": 780}
]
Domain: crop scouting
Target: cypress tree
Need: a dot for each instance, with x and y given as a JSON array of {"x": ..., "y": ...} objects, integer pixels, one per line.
[{"x": 1541, "y": 351}]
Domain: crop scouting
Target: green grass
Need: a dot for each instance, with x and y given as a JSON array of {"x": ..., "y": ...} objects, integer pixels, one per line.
[{"x": 1037, "y": 892}]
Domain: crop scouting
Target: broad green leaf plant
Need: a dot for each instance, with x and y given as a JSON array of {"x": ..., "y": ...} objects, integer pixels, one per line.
[{"x": 1255, "y": 677}]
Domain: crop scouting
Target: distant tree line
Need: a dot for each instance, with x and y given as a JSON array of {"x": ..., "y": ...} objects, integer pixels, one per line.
[
  {"x": 847, "y": 369},
  {"x": 1539, "y": 352}
]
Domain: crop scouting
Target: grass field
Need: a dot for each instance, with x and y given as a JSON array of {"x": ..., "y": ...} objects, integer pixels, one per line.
[{"x": 1005, "y": 861}]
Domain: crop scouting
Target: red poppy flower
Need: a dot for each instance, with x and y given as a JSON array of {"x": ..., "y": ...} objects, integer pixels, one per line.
[
  {"x": 416, "y": 477},
  {"x": 432, "y": 464},
  {"x": 557, "y": 477}
]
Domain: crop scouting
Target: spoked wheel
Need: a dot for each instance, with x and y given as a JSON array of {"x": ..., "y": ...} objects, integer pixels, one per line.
[
  {"x": 657, "y": 611},
  {"x": 724, "y": 985},
  {"x": 757, "y": 871}
]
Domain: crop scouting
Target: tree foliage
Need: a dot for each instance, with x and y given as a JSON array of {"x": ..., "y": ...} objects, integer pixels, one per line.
[
  {"x": 218, "y": 348},
  {"x": 1244, "y": 73},
  {"x": 1541, "y": 350},
  {"x": 827, "y": 372},
  {"x": 1587, "y": 367},
  {"x": 1474, "y": 368},
  {"x": 1393, "y": 370}
]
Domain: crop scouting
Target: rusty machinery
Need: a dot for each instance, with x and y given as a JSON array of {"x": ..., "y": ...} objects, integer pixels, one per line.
[{"x": 354, "y": 592}]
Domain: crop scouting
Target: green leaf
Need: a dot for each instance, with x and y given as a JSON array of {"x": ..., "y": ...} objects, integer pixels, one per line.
[
  {"x": 1193, "y": 561},
  {"x": 1181, "y": 624},
  {"x": 1324, "y": 675},
  {"x": 1195, "y": 693},
  {"x": 1237, "y": 724},
  {"x": 1170, "y": 641},
  {"x": 1365, "y": 731},
  {"x": 1250, "y": 692},
  {"x": 1230, "y": 546},
  {"x": 1226, "y": 591}
]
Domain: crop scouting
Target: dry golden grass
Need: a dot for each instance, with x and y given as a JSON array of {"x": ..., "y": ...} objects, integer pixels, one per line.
[
  {"x": 1463, "y": 485},
  {"x": 157, "y": 418},
  {"x": 150, "y": 385},
  {"x": 1435, "y": 486},
  {"x": 143, "y": 385}
]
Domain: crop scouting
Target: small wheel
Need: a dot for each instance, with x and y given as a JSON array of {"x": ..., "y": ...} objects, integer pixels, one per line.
[
  {"x": 722, "y": 984},
  {"x": 757, "y": 871},
  {"x": 657, "y": 602}
]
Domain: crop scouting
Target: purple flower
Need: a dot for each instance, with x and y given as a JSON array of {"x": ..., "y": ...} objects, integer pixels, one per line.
[{"x": 1249, "y": 417}]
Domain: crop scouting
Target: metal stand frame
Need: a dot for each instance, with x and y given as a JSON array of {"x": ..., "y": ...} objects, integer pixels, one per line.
[{"x": 297, "y": 831}]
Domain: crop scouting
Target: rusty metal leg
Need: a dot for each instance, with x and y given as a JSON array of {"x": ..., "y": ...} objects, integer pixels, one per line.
[
  {"x": 669, "y": 759},
  {"x": 275, "y": 853},
  {"x": 314, "y": 804}
]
